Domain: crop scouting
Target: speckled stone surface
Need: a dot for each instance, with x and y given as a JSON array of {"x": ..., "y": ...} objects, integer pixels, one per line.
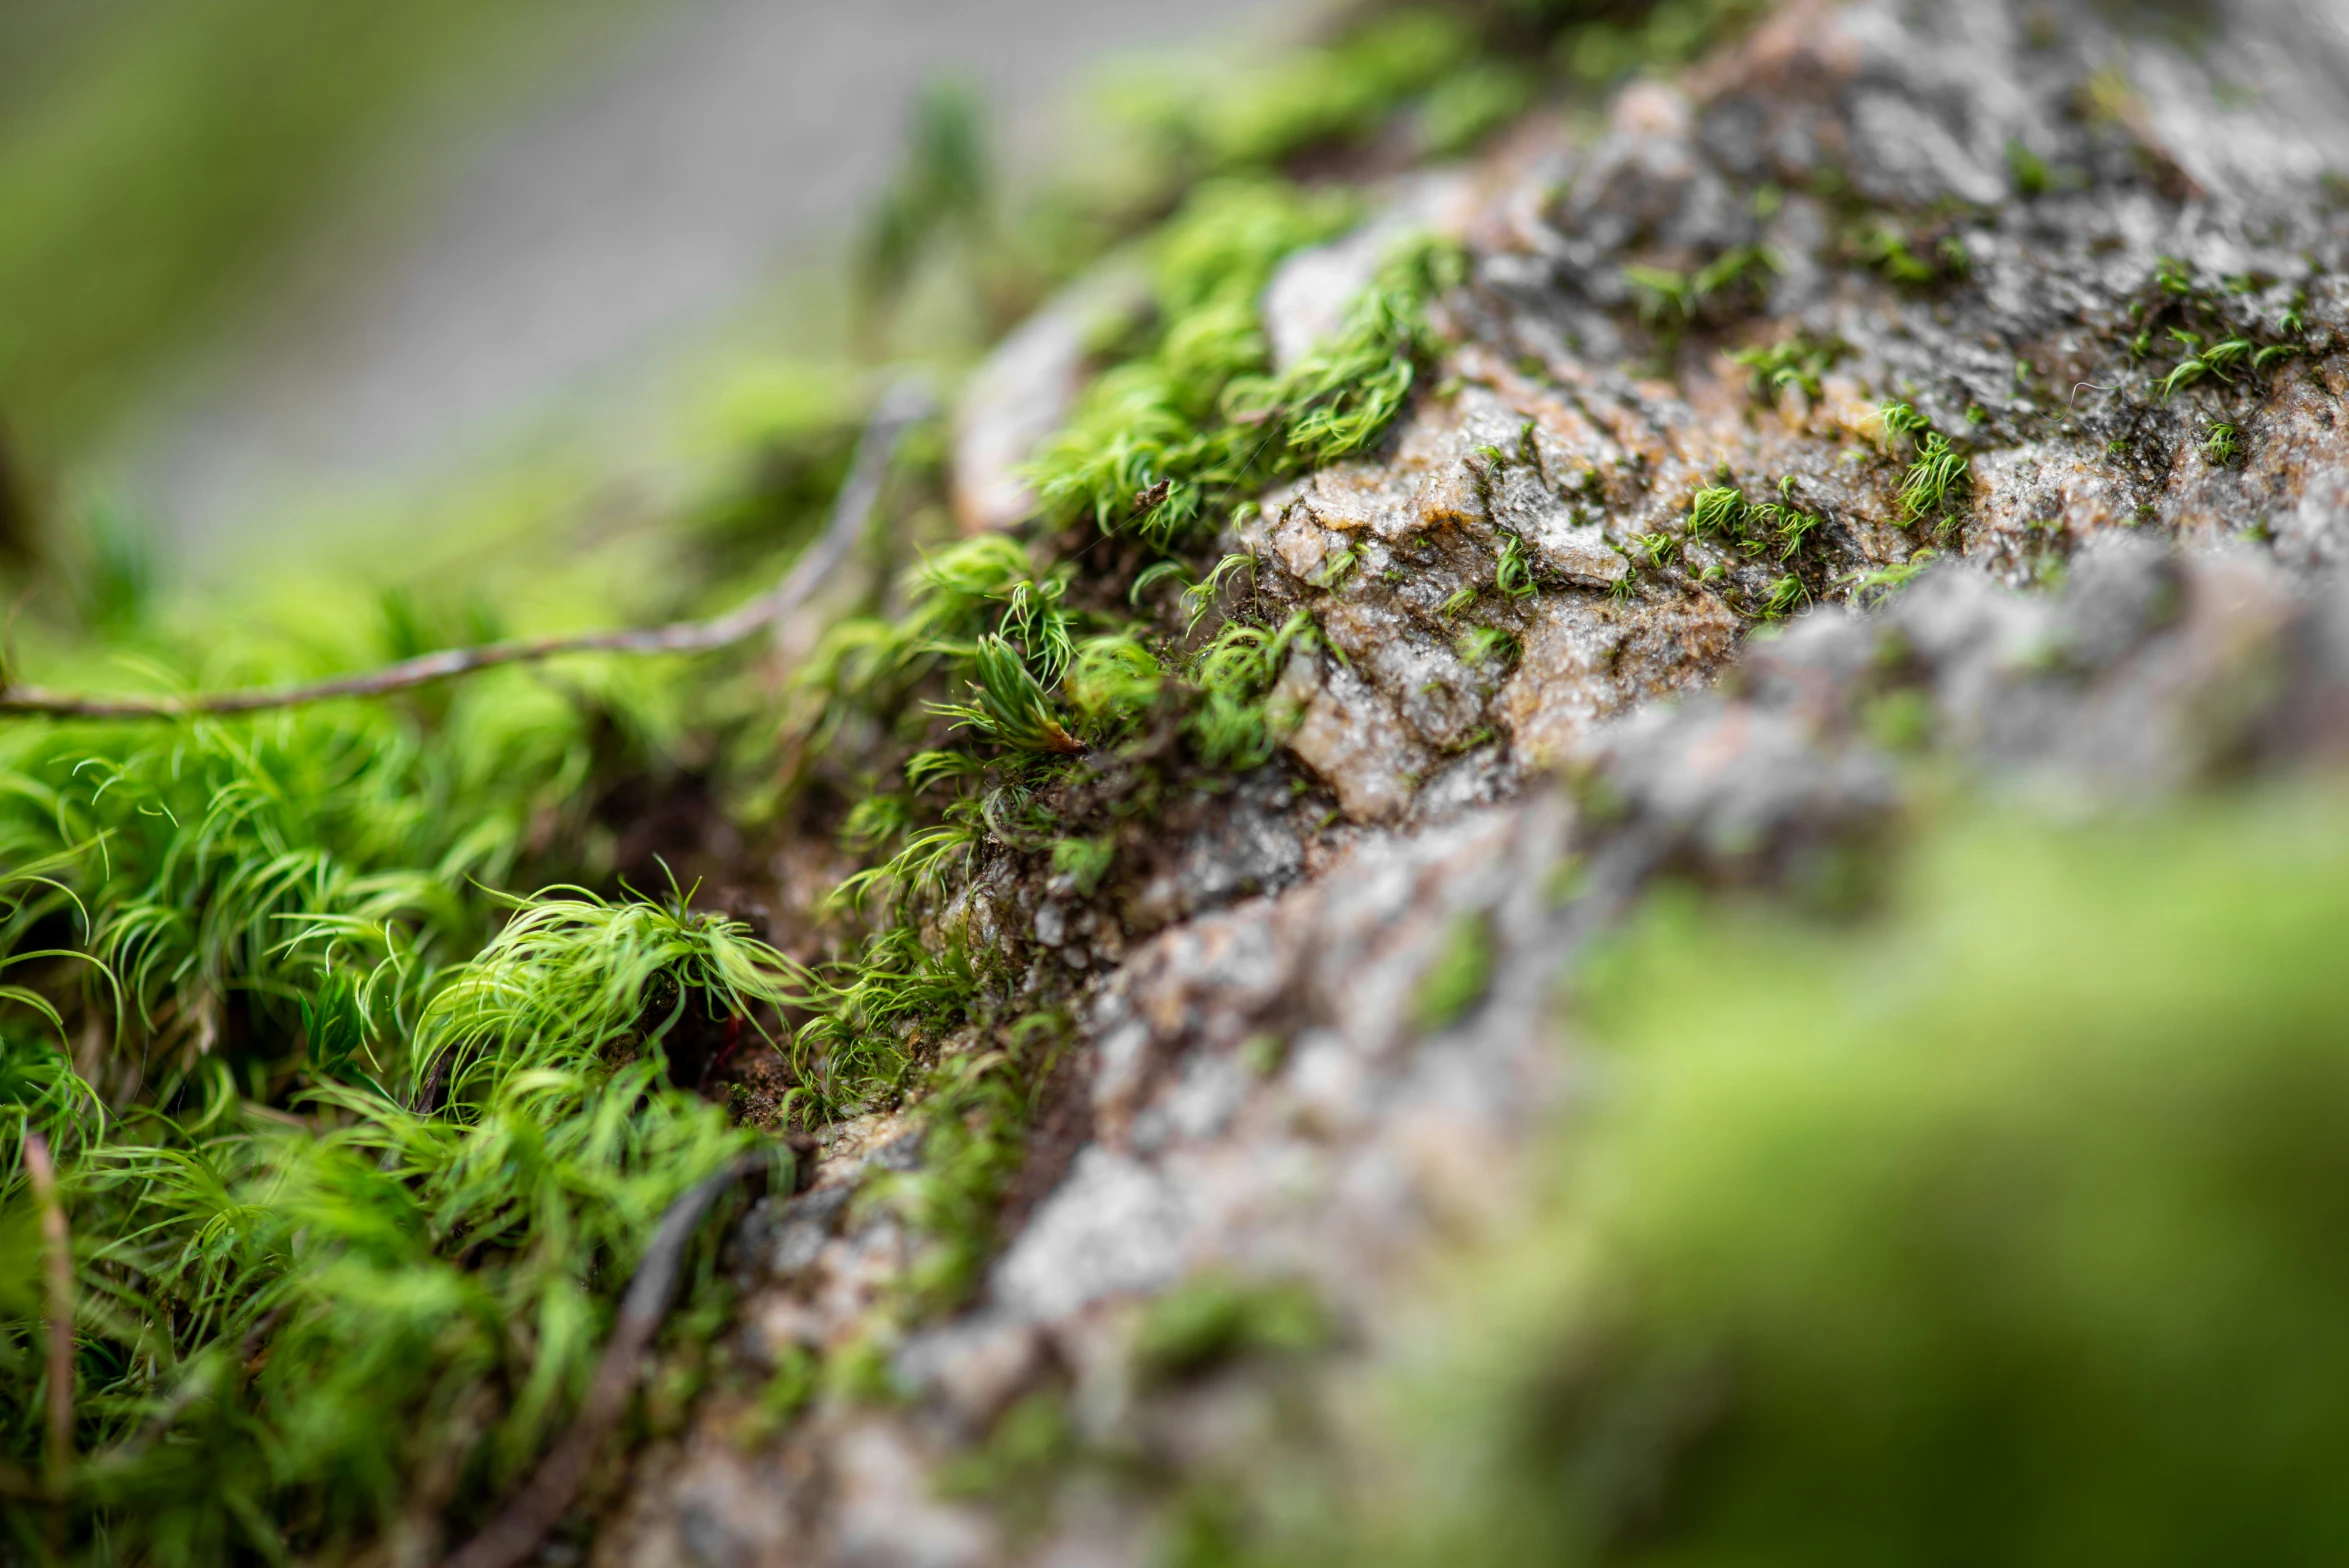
[{"x": 2118, "y": 606}]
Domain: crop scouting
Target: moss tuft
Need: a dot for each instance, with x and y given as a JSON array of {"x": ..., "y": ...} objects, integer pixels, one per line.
[{"x": 1457, "y": 977}]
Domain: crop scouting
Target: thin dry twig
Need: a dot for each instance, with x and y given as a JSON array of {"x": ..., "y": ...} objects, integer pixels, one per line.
[
  {"x": 533, "y": 1511},
  {"x": 904, "y": 405},
  {"x": 57, "y": 1247}
]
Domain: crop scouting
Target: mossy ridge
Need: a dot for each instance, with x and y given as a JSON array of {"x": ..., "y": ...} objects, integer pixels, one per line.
[{"x": 1012, "y": 683}]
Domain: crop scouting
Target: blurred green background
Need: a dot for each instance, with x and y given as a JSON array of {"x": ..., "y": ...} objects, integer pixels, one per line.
[{"x": 154, "y": 152}]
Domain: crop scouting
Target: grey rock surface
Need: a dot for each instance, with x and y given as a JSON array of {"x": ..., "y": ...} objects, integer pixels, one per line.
[{"x": 1320, "y": 1084}]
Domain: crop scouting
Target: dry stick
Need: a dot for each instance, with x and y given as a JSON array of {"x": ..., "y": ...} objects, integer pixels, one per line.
[
  {"x": 57, "y": 1244},
  {"x": 905, "y": 404},
  {"x": 516, "y": 1532}
]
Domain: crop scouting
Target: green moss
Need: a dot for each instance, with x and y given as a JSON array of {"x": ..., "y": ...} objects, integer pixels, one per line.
[
  {"x": 1675, "y": 300},
  {"x": 1717, "y": 510},
  {"x": 1458, "y": 975},
  {"x": 2007, "y": 1220},
  {"x": 1513, "y": 569},
  {"x": 1234, "y": 725},
  {"x": 1878, "y": 583},
  {"x": 1939, "y": 476},
  {"x": 1084, "y": 861},
  {"x": 1784, "y": 596},
  {"x": 1016, "y": 1472},
  {"x": 1899, "y": 720},
  {"x": 1257, "y": 114},
  {"x": 974, "y": 1110},
  {"x": 1601, "y": 41},
  {"x": 1161, "y": 420},
  {"x": 1796, "y": 363},
  {"x": 1214, "y": 1318},
  {"x": 2203, "y": 359},
  {"x": 943, "y": 187},
  {"x": 1483, "y": 647},
  {"x": 1472, "y": 102},
  {"x": 394, "y": 1249}
]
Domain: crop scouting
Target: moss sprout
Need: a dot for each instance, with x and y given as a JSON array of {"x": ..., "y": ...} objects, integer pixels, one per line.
[
  {"x": 1716, "y": 512},
  {"x": 1784, "y": 596},
  {"x": 1938, "y": 476},
  {"x": 1084, "y": 861},
  {"x": 1458, "y": 975},
  {"x": 1513, "y": 569},
  {"x": 1878, "y": 583},
  {"x": 1668, "y": 298},
  {"x": 1795, "y": 363},
  {"x": 1493, "y": 646},
  {"x": 1215, "y": 1317},
  {"x": 2223, "y": 445}
]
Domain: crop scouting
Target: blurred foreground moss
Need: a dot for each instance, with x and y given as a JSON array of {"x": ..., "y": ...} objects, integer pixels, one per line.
[{"x": 2014, "y": 1229}]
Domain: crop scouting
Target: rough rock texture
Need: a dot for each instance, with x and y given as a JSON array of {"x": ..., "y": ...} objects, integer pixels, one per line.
[
  {"x": 1848, "y": 147},
  {"x": 1326, "y": 1064}
]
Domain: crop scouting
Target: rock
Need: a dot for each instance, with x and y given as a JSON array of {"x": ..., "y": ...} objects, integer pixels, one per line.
[
  {"x": 1349, "y": 736},
  {"x": 1319, "y": 1047}
]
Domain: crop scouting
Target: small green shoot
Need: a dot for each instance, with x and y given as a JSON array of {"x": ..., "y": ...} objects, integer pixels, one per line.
[
  {"x": 1939, "y": 474},
  {"x": 1793, "y": 526},
  {"x": 1200, "y": 598},
  {"x": 1796, "y": 363},
  {"x": 1215, "y": 1318},
  {"x": 1337, "y": 566},
  {"x": 2218, "y": 360},
  {"x": 1458, "y": 976},
  {"x": 1784, "y": 595},
  {"x": 1488, "y": 646},
  {"x": 1895, "y": 421},
  {"x": 1513, "y": 570},
  {"x": 2032, "y": 176},
  {"x": 1881, "y": 582},
  {"x": 1084, "y": 861},
  {"x": 1886, "y": 249},
  {"x": 1674, "y": 299},
  {"x": 1716, "y": 510},
  {"x": 1012, "y": 708}
]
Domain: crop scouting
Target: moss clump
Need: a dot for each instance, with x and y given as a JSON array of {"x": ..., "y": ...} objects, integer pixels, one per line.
[
  {"x": 1458, "y": 976},
  {"x": 1213, "y": 1318},
  {"x": 1794, "y": 364},
  {"x": 2010, "y": 1225},
  {"x": 1200, "y": 418},
  {"x": 446, "y": 1251}
]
